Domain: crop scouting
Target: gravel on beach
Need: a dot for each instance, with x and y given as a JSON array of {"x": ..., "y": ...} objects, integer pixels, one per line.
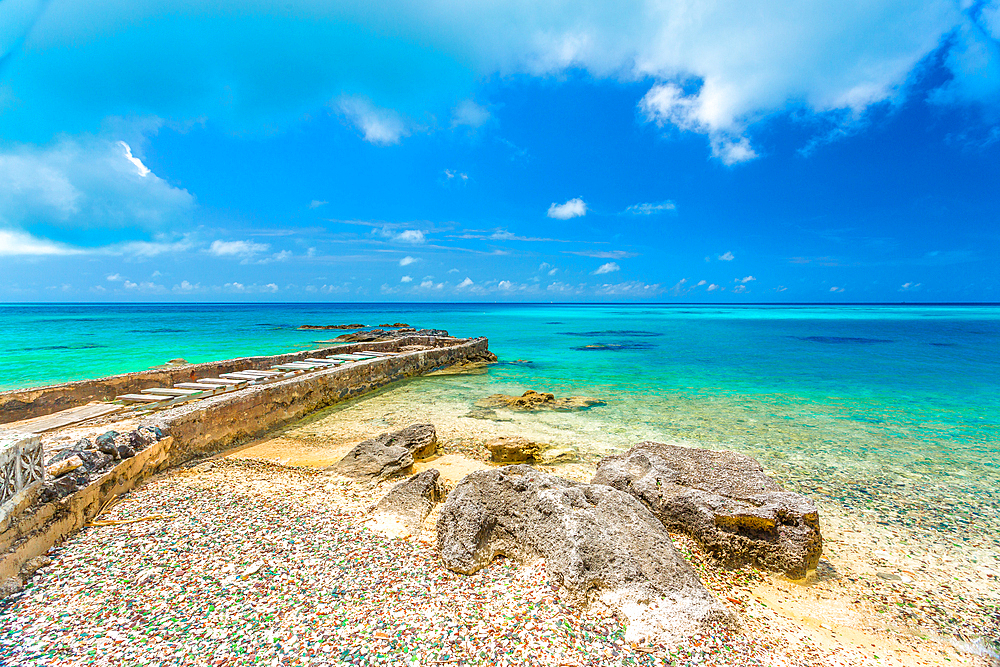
[{"x": 253, "y": 563}]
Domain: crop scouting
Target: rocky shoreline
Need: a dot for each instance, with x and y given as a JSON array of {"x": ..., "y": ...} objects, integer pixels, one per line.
[{"x": 555, "y": 530}]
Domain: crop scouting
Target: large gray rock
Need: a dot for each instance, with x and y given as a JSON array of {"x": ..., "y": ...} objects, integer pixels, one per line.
[
  {"x": 388, "y": 454},
  {"x": 722, "y": 499},
  {"x": 402, "y": 511},
  {"x": 603, "y": 546}
]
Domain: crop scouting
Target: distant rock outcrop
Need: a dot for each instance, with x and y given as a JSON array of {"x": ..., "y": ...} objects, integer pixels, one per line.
[
  {"x": 603, "y": 546},
  {"x": 372, "y": 335},
  {"x": 388, "y": 454},
  {"x": 532, "y": 400},
  {"x": 320, "y": 327},
  {"x": 724, "y": 500}
]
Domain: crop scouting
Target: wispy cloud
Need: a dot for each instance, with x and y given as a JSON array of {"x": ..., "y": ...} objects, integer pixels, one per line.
[
  {"x": 603, "y": 254},
  {"x": 574, "y": 208},
  {"x": 237, "y": 248},
  {"x": 406, "y": 261},
  {"x": 316, "y": 203},
  {"x": 651, "y": 208},
  {"x": 14, "y": 243}
]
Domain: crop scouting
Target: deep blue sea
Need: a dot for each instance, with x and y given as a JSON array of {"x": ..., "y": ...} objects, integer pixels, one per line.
[{"x": 890, "y": 411}]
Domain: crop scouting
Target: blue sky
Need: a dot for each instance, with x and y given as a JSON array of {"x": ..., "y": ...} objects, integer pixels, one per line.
[{"x": 479, "y": 151}]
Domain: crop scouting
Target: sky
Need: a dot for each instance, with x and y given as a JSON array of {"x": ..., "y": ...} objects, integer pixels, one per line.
[{"x": 531, "y": 150}]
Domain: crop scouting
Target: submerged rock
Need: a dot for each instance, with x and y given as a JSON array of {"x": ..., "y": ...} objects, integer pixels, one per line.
[
  {"x": 403, "y": 510},
  {"x": 722, "y": 499},
  {"x": 533, "y": 400},
  {"x": 486, "y": 413},
  {"x": 388, "y": 454},
  {"x": 512, "y": 449},
  {"x": 603, "y": 546}
]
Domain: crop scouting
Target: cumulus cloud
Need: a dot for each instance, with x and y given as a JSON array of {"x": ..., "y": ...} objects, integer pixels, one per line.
[
  {"x": 86, "y": 182},
  {"x": 236, "y": 248},
  {"x": 712, "y": 287},
  {"x": 382, "y": 127},
  {"x": 574, "y": 208},
  {"x": 414, "y": 236},
  {"x": 610, "y": 267},
  {"x": 711, "y": 73},
  {"x": 406, "y": 279},
  {"x": 465, "y": 283},
  {"x": 726, "y": 257},
  {"x": 651, "y": 208},
  {"x": 406, "y": 261},
  {"x": 745, "y": 280}
]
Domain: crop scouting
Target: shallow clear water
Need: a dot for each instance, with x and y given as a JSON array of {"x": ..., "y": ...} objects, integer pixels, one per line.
[{"x": 889, "y": 411}]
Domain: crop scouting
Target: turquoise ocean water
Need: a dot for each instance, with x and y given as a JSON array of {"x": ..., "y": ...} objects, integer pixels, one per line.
[{"x": 892, "y": 412}]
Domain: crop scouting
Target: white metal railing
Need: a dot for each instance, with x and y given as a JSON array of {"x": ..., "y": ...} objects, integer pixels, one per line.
[{"x": 20, "y": 465}]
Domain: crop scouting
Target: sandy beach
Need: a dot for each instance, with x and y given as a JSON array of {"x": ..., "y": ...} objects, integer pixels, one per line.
[{"x": 259, "y": 556}]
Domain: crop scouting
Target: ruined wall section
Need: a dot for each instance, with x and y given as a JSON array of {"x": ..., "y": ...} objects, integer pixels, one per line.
[{"x": 18, "y": 404}]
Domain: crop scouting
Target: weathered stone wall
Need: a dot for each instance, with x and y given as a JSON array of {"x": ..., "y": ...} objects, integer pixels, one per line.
[
  {"x": 20, "y": 470},
  {"x": 216, "y": 423},
  {"x": 18, "y": 404}
]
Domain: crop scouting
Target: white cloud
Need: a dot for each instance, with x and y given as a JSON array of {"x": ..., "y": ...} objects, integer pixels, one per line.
[
  {"x": 406, "y": 261},
  {"x": 906, "y": 287},
  {"x": 411, "y": 236},
  {"x": 316, "y": 203},
  {"x": 13, "y": 243},
  {"x": 406, "y": 279},
  {"x": 712, "y": 287},
  {"x": 185, "y": 286},
  {"x": 470, "y": 114},
  {"x": 700, "y": 283},
  {"x": 634, "y": 289},
  {"x": 142, "y": 169},
  {"x": 86, "y": 182},
  {"x": 744, "y": 280},
  {"x": 461, "y": 177},
  {"x": 231, "y": 248},
  {"x": 717, "y": 68},
  {"x": 382, "y": 127},
  {"x": 651, "y": 208},
  {"x": 114, "y": 277},
  {"x": 234, "y": 287},
  {"x": 465, "y": 283},
  {"x": 780, "y": 288},
  {"x": 430, "y": 284},
  {"x": 837, "y": 289},
  {"x": 453, "y": 271},
  {"x": 727, "y": 256},
  {"x": 270, "y": 287},
  {"x": 610, "y": 267},
  {"x": 574, "y": 208},
  {"x": 739, "y": 289}
]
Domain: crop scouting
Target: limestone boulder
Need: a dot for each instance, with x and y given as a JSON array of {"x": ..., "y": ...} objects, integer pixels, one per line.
[
  {"x": 601, "y": 545},
  {"x": 403, "y": 510},
  {"x": 532, "y": 400},
  {"x": 724, "y": 500},
  {"x": 388, "y": 454}
]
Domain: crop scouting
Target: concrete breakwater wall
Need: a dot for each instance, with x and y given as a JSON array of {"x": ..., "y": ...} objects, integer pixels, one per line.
[
  {"x": 18, "y": 404},
  {"x": 211, "y": 425}
]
